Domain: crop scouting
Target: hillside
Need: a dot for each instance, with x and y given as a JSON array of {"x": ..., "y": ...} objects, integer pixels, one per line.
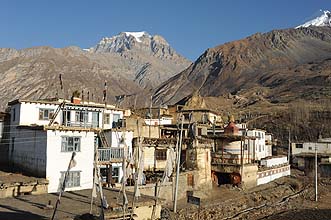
[
  {"x": 128, "y": 63},
  {"x": 261, "y": 74}
]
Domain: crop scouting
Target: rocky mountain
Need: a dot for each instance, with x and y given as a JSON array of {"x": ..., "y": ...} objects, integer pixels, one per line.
[
  {"x": 152, "y": 59},
  {"x": 34, "y": 73},
  {"x": 271, "y": 61},
  {"x": 278, "y": 81},
  {"x": 129, "y": 62}
]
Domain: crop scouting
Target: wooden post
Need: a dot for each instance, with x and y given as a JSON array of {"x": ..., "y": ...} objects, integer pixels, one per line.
[
  {"x": 71, "y": 163},
  {"x": 289, "y": 146},
  {"x": 241, "y": 159},
  {"x": 178, "y": 163},
  {"x": 316, "y": 182}
]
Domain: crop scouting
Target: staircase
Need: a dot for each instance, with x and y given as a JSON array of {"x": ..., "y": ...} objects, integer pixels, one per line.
[
  {"x": 103, "y": 139},
  {"x": 56, "y": 113}
]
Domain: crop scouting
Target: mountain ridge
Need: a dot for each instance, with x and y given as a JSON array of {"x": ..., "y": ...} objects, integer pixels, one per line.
[
  {"x": 152, "y": 57},
  {"x": 33, "y": 73},
  {"x": 227, "y": 68}
]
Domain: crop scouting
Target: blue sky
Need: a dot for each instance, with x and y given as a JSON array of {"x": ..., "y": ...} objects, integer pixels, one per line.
[{"x": 190, "y": 26}]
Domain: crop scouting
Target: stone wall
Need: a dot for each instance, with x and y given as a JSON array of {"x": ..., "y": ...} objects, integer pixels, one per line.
[
  {"x": 188, "y": 181},
  {"x": 249, "y": 176},
  {"x": 19, "y": 188}
]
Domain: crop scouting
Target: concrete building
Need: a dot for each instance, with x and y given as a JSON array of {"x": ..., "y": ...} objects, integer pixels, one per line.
[
  {"x": 44, "y": 134},
  {"x": 2, "y": 123},
  {"x": 259, "y": 146},
  {"x": 303, "y": 156},
  {"x": 323, "y": 146}
]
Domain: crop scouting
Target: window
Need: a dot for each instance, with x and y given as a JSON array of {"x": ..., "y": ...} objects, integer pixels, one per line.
[
  {"x": 116, "y": 119},
  {"x": 115, "y": 174},
  {"x": 190, "y": 180},
  {"x": 70, "y": 144},
  {"x": 106, "y": 119},
  {"x": 199, "y": 131},
  {"x": 14, "y": 114},
  {"x": 45, "y": 114},
  {"x": 298, "y": 145},
  {"x": 73, "y": 178},
  {"x": 81, "y": 116},
  {"x": 161, "y": 154},
  {"x": 260, "y": 148},
  {"x": 205, "y": 118}
]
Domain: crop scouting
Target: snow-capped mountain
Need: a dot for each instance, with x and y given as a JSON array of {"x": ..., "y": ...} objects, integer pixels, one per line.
[
  {"x": 323, "y": 20},
  {"x": 121, "y": 42},
  {"x": 142, "y": 41},
  {"x": 153, "y": 59}
]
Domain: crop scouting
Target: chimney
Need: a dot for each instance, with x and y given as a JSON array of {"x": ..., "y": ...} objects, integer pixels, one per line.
[{"x": 75, "y": 100}]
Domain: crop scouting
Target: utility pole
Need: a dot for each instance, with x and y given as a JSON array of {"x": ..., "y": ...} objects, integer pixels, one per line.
[
  {"x": 241, "y": 159},
  {"x": 159, "y": 121},
  {"x": 178, "y": 163},
  {"x": 316, "y": 183},
  {"x": 150, "y": 117}
]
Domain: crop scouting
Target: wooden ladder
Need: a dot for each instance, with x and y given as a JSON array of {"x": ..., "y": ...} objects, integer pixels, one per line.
[
  {"x": 55, "y": 114},
  {"x": 103, "y": 139}
]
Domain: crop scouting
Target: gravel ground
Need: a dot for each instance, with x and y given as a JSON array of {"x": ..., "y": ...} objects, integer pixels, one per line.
[{"x": 286, "y": 198}]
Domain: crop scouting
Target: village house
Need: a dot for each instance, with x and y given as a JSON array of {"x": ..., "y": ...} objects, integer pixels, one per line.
[
  {"x": 303, "y": 156},
  {"x": 44, "y": 134},
  {"x": 241, "y": 156},
  {"x": 4, "y": 133}
]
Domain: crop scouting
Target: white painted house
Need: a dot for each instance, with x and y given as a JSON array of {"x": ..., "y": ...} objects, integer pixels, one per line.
[
  {"x": 164, "y": 120},
  {"x": 45, "y": 149},
  {"x": 256, "y": 142},
  {"x": 323, "y": 146},
  {"x": 259, "y": 143}
]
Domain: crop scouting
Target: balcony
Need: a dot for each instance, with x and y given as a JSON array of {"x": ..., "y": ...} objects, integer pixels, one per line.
[
  {"x": 108, "y": 155},
  {"x": 81, "y": 124}
]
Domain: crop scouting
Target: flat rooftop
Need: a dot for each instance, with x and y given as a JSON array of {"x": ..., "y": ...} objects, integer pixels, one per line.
[
  {"x": 33, "y": 207},
  {"x": 10, "y": 179}
]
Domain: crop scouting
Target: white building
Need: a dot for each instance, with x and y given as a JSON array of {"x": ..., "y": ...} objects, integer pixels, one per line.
[
  {"x": 45, "y": 149},
  {"x": 259, "y": 143},
  {"x": 164, "y": 120},
  {"x": 268, "y": 144},
  {"x": 323, "y": 146},
  {"x": 256, "y": 142}
]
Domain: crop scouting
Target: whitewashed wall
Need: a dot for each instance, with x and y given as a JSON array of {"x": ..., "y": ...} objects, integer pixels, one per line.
[
  {"x": 113, "y": 138},
  {"x": 28, "y": 151},
  {"x": 58, "y": 161},
  {"x": 1, "y": 129},
  {"x": 111, "y": 112},
  {"x": 275, "y": 161},
  {"x": 272, "y": 174},
  {"x": 309, "y": 147},
  {"x": 156, "y": 121},
  {"x": 28, "y": 113},
  {"x": 259, "y": 141}
]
